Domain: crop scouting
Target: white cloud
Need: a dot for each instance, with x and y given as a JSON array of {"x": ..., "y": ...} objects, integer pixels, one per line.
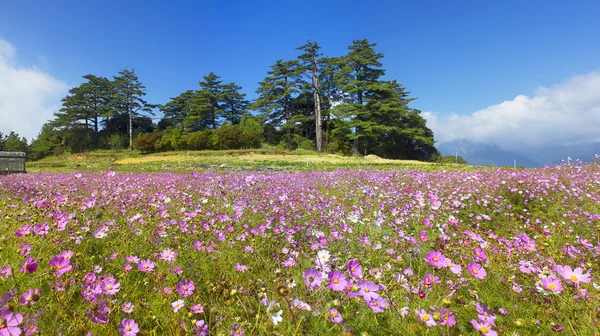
[
  {"x": 565, "y": 114},
  {"x": 28, "y": 96}
]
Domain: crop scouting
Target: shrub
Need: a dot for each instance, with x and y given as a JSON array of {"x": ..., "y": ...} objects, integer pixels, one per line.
[
  {"x": 200, "y": 140},
  {"x": 232, "y": 137},
  {"x": 178, "y": 141},
  {"x": 147, "y": 142}
]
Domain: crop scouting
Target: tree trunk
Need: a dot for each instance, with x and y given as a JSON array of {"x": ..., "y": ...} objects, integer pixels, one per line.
[
  {"x": 318, "y": 119},
  {"x": 130, "y": 130}
]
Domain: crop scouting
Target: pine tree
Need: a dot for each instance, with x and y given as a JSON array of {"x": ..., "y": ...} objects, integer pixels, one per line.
[
  {"x": 212, "y": 93},
  {"x": 310, "y": 69},
  {"x": 359, "y": 79},
  {"x": 275, "y": 93},
  {"x": 86, "y": 103},
  {"x": 234, "y": 103},
  {"x": 127, "y": 98},
  {"x": 179, "y": 109}
]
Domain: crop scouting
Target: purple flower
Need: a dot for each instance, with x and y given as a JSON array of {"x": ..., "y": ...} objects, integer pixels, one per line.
[
  {"x": 378, "y": 304},
  {"x": 60, "y": 264},
  {"x": 436, "y": 259},
  {"x": 477, "y": 271},
  {"x": 110, "y": 286},
  {"x": 335, "y": 316},
  {"x": 146, "y": 265},
  {"x": 484, "y": 327},
  {"x": 127, "y": 307},
  {"x": 177, "y": 305},
  {"x": 128, "y": 327},
  {"x": 236, "y": 330},
  {"x": 5, "y": 271},
  {"x": 197, "y": 308},
  {"x": 312, "y": 278},
  {"x": 185, "y": 288},
  {"x": 30, "y": 297},
  {"x": 9, "y": 322},
  {"x": 29, "y": 265},
  {"x": 337, "y": 281},
  {"x": 355, "y": 269},
  {"x": 368, "y": 290}
]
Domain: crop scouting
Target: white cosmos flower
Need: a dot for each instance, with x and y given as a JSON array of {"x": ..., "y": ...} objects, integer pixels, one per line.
[{"x": 274, "y": 312}]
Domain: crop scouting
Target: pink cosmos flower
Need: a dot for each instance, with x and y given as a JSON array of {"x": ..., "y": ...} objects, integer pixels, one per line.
[
  {"x": 455, "y": 268},
  {"x": 484, "y": 328},
  {"x": 477, "y": 271},
  {"x": 9, "y": 322},
  {"x": 110, "y": 286},
  {"x": 236, "y": 330},
  {"x": 30, "y": 297},
  {"x": 168, "y": 256},
  {"x": 197, "y": 308},
  {"x": 378, "y": 305},
  {"x": 576, "y": 276},
  {"x": 128, "y": 327},
  {"x": 335, "y": 316},
  {"x": 337, "y": 281},
  {"x": 312, "y": 278},
  {"x": 127, "y": 307},
  {"x": 479, "y": 254},
  {"x": 60, "y": 264},
  {"x": 426, "y": 318},
  {"x": 185, "y": 287},
  {"x": 146, "y": 265},
  {"x": 368, "y": 290},
  {"x": 177, "y": 305},
  {"x": 447, "y": 317},
  {"x": 436, "y": 259},
  {"x": 552, "y": 285},
  {"x": 241, "y": 268},
  {"x": 355, "y": 269},
  {"x": 5, "y": 271},
  {"x": 29, "y": 265}
]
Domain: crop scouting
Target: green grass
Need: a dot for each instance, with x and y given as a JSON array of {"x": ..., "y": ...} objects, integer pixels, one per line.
[{"x": 226, "y": 160}]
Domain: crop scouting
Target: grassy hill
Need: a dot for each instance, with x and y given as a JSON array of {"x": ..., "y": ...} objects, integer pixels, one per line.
[{"x": 254, "y": 159}]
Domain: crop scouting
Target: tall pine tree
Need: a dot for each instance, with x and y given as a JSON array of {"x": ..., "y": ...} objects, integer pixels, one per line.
[
  {"x": 127, "y": 98},
  {"x": 310, "y": 69},
  {"x": 275, "y": 93}
]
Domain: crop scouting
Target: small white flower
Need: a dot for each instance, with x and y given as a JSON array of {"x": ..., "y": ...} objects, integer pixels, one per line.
[{"x": 274, "y": 313}]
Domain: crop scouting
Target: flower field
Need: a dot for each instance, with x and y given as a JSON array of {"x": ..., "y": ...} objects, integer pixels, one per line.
[{"x": 313, "y": 253}]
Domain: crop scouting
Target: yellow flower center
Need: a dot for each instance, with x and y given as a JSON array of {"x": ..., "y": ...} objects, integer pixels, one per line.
[
  {"x": 334, "y": 314},
  {"x": 425, "y": 318},
  {"x": 435, "y": 259},
  {"x": 128, "y": 328},
  {"x": 335, "y": 281},
  {"x": 475, "y": 271},
  {"x": 367, "y": 289},
  {"x": 573, "y": 278},
  {"x": 58, "y": 267},
  {"x": 551, "y": 286},
  {"x": 352, "y": 269},
  {"x": 109, "y": 287},
  {"x": 484, "y": 329}
]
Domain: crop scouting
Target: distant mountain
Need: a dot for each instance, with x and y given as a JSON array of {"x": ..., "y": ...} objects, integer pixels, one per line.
[{"x": 480, "y": 154}]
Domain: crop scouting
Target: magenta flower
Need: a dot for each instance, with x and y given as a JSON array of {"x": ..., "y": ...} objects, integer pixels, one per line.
[
  {"x": 185, "y": 287},
  {"x": 168, "y": 256},
  {"x": 378, "y": 304},
  {"x": 337, "y": 281},
  {"x": 236, "y": 330},
  {"x": 29, "y": 265},
  {"x": 477, "y": 271},
  {"x": 368, "y": 290},
  {"x": 197, "y": 308},
  {"x": 576, "y": 276},
  {"x": 312, "y": 278},
  {"x": 111, "y": 286},
  {"x": 436, "y": 259},
  {"x": 128, "y": 327},
  {"x": 127, "y": 307},
  {"x": 60, "y": 264},
  {"x": 355, "y": 269},
  {"x": 479, "y": 254},
  {"x": 30, "y": 297},
  {"x": 241, "y": 268},
  {"x": 447, "y": 318},
  {"x": 552, "y": 285},
  {"x": 5, "y": 271},
  {"x": 9, "y": 322},
  {"x": 335, "y": 316},
  {"x": 146, "y": 265},
  {"x": 484, "y": 327},
  {"x": 425, "y": 318}
]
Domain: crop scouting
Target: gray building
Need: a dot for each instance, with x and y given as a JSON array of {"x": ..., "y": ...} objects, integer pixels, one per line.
[{"x": 12, "y": 162}]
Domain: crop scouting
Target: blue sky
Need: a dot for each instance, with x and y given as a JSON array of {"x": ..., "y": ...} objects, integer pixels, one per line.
[{"x": 454, "y": 56}]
